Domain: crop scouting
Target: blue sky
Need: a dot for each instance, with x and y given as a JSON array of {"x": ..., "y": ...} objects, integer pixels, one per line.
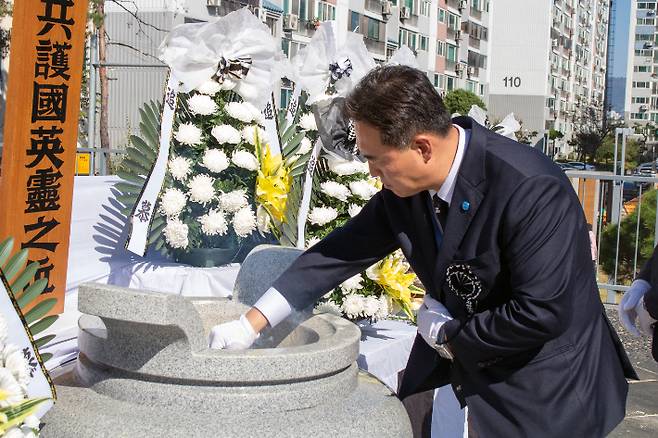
[{"x": 620, "y": 49}]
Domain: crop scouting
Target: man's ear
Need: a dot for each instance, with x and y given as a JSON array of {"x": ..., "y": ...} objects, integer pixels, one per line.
[{"x": 423, "y": 145}]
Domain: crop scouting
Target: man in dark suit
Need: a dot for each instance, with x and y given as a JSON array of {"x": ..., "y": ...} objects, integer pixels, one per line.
[{"x": 512, "y": 318}]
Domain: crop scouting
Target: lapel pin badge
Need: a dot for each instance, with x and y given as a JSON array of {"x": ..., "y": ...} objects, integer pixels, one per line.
[{"x": 466, "y": 206}]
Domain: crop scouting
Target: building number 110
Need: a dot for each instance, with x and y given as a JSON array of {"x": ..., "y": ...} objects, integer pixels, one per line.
[{"x": 512, "y": 81}]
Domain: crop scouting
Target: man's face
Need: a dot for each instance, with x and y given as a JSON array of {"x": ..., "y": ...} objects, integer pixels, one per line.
[{"x": 401, "y": 171}]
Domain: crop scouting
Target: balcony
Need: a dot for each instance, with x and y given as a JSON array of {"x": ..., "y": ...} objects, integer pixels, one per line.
[
  {"x": 375, "y": 46},
  {"x": 374, "y": 6}
]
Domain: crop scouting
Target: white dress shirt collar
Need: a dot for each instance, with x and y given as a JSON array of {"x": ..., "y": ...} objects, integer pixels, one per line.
[{"x": 448, "y": 187}]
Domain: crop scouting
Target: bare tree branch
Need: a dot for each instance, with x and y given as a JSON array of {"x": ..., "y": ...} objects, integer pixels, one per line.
[{"x": 128, "y": 46}]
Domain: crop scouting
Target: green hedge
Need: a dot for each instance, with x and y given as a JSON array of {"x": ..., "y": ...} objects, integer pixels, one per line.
[{"x": 627, "y": 241}]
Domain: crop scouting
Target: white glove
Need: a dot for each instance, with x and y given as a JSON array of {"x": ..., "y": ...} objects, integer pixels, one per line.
[
  {"x": 431, "y": 317},
  {"x": 233, "y": 335},
  {"x": 627, "y": 306},
  {"x": 645, "y": 321}
]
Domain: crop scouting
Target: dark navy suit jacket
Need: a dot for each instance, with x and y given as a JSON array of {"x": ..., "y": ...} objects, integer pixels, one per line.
[{"x": 538, "y": 357}]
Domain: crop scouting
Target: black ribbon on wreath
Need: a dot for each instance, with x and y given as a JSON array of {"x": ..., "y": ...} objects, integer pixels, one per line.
[
  {"x": 235, "y": 68},
  {"x": 336, "y": 129}
]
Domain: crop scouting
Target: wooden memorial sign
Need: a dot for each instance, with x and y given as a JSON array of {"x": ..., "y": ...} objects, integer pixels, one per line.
[{"x": 41, "y": 129}]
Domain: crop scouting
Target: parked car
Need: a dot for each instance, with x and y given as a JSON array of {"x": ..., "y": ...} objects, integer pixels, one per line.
[
  {"x": 579, "y": 165},
  {"x": 646, "y": 169},
  {"x": 565, "y": 166}
]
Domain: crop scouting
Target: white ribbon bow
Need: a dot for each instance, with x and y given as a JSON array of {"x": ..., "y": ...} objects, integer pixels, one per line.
[
  {"x": 237, "y": 49},
  {"x": 323, "y": 63}
]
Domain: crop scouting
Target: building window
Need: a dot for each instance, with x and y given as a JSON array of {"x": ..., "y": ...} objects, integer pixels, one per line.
[
  {"x": 325, "y": 11},
  {"x": 477, "y": 5},
  {"x": 424, "y": 42},
  {"x": 646, "y": 5},
  {"x": 440, "y": 48},
  {"x": 640, "y": 116},
  {"x": 481, "y": 89},
  {"x": 451, "y": 52},
  {"x": 442, "y": 15},
  {"x": 641, "y": 85},
  {"x": 454, "y": 21},
  {"x": 373, "y": 28},
  {"x": 424, "y": 8},
  {"x": 354, "y": 21},
  {"x": 639, "y": 68},
  {"x": 450, "y": 83},
  {"x": 286, "y": 94},
  {"x": 408, "y": 38},
  {"x": 470, "y": 86}
]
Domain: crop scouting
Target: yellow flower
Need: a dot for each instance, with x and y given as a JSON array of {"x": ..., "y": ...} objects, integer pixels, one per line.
[
  {"x": 391, "y": 274},
  {"x": 272, "y": 183}
]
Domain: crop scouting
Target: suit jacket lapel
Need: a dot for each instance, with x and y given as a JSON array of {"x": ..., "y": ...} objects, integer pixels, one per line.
[{"x": 467, "y": 197}]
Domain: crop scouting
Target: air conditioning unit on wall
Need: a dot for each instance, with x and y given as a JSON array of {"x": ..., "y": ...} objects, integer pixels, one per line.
[{"x": 290, "y": 22}]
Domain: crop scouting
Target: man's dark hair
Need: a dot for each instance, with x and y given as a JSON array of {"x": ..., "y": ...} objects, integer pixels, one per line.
[{"x": 400, "y": 102}]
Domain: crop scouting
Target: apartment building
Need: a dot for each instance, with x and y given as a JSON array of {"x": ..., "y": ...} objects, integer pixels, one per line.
[
  {"x": 641, "y": 99},
  {"x": 451, "y": 40},
  {"x": 548, "y": 64}
]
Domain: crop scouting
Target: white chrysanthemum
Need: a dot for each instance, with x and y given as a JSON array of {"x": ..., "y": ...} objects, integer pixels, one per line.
[
  {"x": 353, "y": 306},
  {"x": 249, "y": 134},
  {"x": 172, "y": 202},
  {"x": 335, "y": 190},
  {"x": 241, "y": 111},
  {"x": 226, "y": 134},
  {"x": 244, "y": 222},
  {"x": 307, "y": 122},
  {"x": 201, "y": 189},
  {"x": 329, "y": 307},
  {"x": 10, "y": 390},
  {"x": 363, "y": 189},
  {"x": 4, "y": 330},
  {"x": 305, "y": 146},
  {"x": 312, "y": 241},
  {"x": 352, "y": 284},
  {"x": 233, "y": 201},
  {"x": 15, "y": 362},
  {"x": 176, "y": 233},
  {"x": 203, "y": 105},
  {"x": 245, "y": 160},
  {"x": 214, "y": 223},
  {"x": 180, "y": 168},
  {"x": 322, "y": 215},
  {"x": 209, "y": 88},
  {"x": 215, "y": 160},
  {"x": 371, "y": 307},
  {"x": 383, "y": 311},
  {"x": 344, "y": 167},
  {"x": 354, "y": 209},
  {"x": 188, "y": 134}
]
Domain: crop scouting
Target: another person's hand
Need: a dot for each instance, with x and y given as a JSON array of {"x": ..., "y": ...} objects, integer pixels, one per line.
[
  {"x": 233, "y": 335},
  {"x": 627, "y": 306},
  {"x": 644, "y": 321},
  {"x": 431, "y": 317}
]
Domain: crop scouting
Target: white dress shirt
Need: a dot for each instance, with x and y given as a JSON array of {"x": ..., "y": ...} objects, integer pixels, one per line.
[{"x": 276, "y": 308}]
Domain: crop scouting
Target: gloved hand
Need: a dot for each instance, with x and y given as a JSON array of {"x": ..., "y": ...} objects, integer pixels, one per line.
[
  {"x": 644, "y": 320},
  {"x": 627, "y": 306},
  {"x": 431, "y": 317},
  {"x": 232, "y": 335}
]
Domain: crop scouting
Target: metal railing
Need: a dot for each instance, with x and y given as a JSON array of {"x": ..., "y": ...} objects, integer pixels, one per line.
[{"x": 614, "y": 206}]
